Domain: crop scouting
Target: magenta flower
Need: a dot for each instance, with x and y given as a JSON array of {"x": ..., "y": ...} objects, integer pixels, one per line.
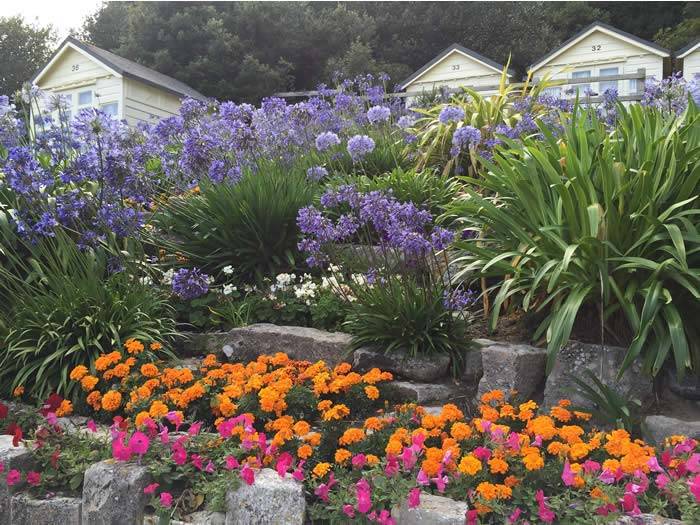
[
  {"x": 408, "y": 458},
  {"x": 166, "y": 499},
  {"x": 661, "y": 481},
  {"x": 247, "y": 475},
  {"x": 231, "y": 463},
  {"x": 472, "y": 517},
  {"x": 694, "y": 486},
  {"x": 590, "y": 466},
  {"x": 120, "y": 451},
  {"x": 359, "y": 460},
  {"x": 51, "y": 419},
  {"x": 139, "y": 443},
  {"x": 284, "y": 461},
  {"x": 33, "y": 478},
  {"x": 384, "y": 518},
  {"x": 414, "y": 498},
  {"x": 179, "y": 453},
  {"x": 544, "y": 512},
  {"x": 482, "y": 453},
  {"x": 363, "y": 492},
  {"x": 513, "y": 518},
  {"x": 567, "y": 476},
  {"x": 150, "y": 489},
  {"x": 693, "y": 463},
  {"x": 13, "y": 477},
  {"x": 323, "y": 489},
  {"x": 349, "y": 511},
  {"x": 392, "y": 466},
  {"x": 422, "y": 478},
  {"x": 196, "y": 460},
  {"x": 194, "y": 428},
  {"x": 630, "y": 504},
  {"x": 298, "y": 473},
  {"x": 174, "y": 418},
  {"x": 91, "y": 426}
]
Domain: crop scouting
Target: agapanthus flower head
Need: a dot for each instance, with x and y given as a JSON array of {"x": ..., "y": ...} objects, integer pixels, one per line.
[
  {"x": 377, "y": 114},
  {"x": 465, "y": 137},
  {"x": 326, "y": 140},
  {"x": 405, "y": 122},
  {"x": 360, "y": 146},
  {"x": 316, "y": 173},
  {"x": 190, "y": 283},
  {"x": 451, "y": 114}
]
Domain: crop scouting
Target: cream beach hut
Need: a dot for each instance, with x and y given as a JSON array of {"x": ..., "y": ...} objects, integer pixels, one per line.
[{"x": 88, "y": 76}]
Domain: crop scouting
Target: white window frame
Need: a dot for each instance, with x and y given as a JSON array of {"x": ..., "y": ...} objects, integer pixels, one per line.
[
  {"x": 115, "y": 103},
  {"x": 581, "y": 88},
  {"x": 602, "y": 89},
  {"x": 90, "y": 104}
]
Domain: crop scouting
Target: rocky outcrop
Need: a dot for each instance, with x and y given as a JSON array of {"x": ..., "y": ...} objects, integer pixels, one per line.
[
  {"x": 511, "y": 368},
  {"x": 418, "y": 368},
  {"x": 113, "y": 493}
]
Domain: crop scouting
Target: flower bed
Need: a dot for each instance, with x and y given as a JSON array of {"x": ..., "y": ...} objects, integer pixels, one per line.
[{"x": 357, "y": 457}]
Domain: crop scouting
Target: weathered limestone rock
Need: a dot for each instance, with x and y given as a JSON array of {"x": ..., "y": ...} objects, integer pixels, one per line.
[
  {"x": 508, "y": 366},
  {"x": 657, "y": 428},
  {"x": 575, "y": 358},
  {"x": 11, "y": 457},
  {"x": 473, "y": 368},
  {"x": 421, "y": 393},
  {"x": 433, "y": 510},
  {"x": 646, "y": 519},
  {"x": 271, "y": 500},
  {"x": 113, "y": 493},
  {"x": 399, "y": 362},
  {"x": 310, "y": 344},
  {"x": 206, "y": 517},
  {"x": 54, "y": 511}
]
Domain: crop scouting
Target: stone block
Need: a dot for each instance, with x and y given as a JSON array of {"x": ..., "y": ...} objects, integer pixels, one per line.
[
  {"x": 433, "y": 510},
  {"x": 422, "y": 393},
  {"x": 655, "y": 429},
  {"x": 54, "y": 511},
  {"x": 113, "y": 493},
  {"x": 11, "y": 457},
  {"x": 308, "y": 344},
  {"x": 270, "y": 500},
  {"x": 510, "y": 366},
  {"x": 419, "y": 368}
]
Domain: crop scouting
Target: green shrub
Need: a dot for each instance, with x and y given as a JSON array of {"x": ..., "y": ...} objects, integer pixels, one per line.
[
  {"x": 65, "y": 309},
  {"x": 403, "y": 314},
  {"x": 426, "y": 189},
  {"x": 596, "y": 220},
  {"x": 250, "y": 225}
]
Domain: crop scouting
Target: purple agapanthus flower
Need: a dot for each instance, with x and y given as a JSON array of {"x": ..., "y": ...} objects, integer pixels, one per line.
[
  {"x": 190, "y": 283},
  {"x": 457, "y": 300},
  {"x": 359, "y": 147},
  {"x": 451, "y": 114},
  {"x": 316, "y": 173},
  {"x": 377, "y": 114},
  {"x": 326, "y": 140},
  {"x": 465, "y": 137}
]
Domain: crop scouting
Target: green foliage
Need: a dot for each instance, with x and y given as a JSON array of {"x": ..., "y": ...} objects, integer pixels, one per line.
[
  {"x": 426, "y": 189},
  {"x": 597, "y": 219},
  {"x": 24, "y": 48},
  {"x": 401, "y": 313},
  {"x": 611, "y": 408},
  {"x": 389, "y": 154},
  {"x": 250, "y": 225},
  {"x": 63, "y": 308}
]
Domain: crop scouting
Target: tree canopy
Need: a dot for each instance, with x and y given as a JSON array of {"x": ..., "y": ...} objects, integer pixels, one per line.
[{"x": 24, "y": 48}]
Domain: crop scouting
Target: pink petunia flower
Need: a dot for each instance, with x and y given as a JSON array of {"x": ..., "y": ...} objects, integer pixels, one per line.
[
  {"x": 247, "y": 475},
  {"x": 414, "y": 498},
  {"x": 166, "y": 499},
  {"x": 33, "y": 478},
  {"x": 139, "y": 443},
  {"x": 150, "y": 489},
  {"x": 13, "y": 477}
]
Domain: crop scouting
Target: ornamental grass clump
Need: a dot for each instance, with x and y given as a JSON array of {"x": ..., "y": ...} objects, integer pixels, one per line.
[
  {"x": 596, "y": 225},
  {"x": 400, "y": 301}
]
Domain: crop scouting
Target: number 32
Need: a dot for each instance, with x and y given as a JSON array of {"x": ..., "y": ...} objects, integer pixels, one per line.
[{"x": 597, "y": 47}]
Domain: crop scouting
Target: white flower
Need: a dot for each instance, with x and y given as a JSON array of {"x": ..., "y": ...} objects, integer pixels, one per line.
[
  {"x": 146, "y": 280},
  {"x": 167, "y": 277},
  {"x": 229, "y": 289},
  {"x": 228, "y": 270},
  {"x": 333, "y": 268}
]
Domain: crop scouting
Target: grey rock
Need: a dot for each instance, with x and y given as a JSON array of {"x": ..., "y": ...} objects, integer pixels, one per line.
[
  {"x": 473, "y": 368},
  {"x": 688, "y": 387},
  {"x": 509, "y": 366},
  {"x": 421, "y": 393},
  {"x": 113, "y": 493},
  {"x": 54, "y": 511},
  {"x": 646, "y": 519},
  {"x": 655, "y": 429},
  {"x": 433, "y": 510},
  {"x": 399, "y": 362},
  {"x": 270, "y": 500},
  {"x": 575, "y": 358},
  {"x": 11, "y": 457},
  {"x": 206, "y": 517},
  {"x": 308, "y": 344},
  {"x": 192, "y": 344}
]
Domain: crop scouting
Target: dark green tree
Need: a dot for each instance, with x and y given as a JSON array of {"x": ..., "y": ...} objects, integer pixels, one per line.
[{"x": 24, "y": 48}]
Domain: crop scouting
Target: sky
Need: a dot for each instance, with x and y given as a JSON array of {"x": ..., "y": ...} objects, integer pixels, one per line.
[{"x": 62, "y": 14}]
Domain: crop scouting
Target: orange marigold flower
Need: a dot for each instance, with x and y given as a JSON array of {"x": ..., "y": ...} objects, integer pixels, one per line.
[
  {"x": 557, "y": 448},
  {"x": 597, "y": 493},
  {"x": 305, "y": 451},
  {"x": 321, "y": 469},
  {"x": 88, "y": 382},
  {"x": 336, "y": 412},
  {"x": 342, "y": 455},
  {"x": 18, "y": 391},
  {"x": 155, "y": 346},
  {"x": 470, "y": 465},
  {"x": 578, "y": 451},
  {"x": 560, "y": 414},
  {"x": 460, "y": 431},
  {"x": 493, "y": 395},
  {"x": 585, "y": 416},
  {"x": 571, "y": 434},
  {"x": 134, "y": 346},
  {"x": 533, "y": 461},
  {"x": 498, "y": 466},
  {"x": 313, "y": 439},
  {"x": 141, "y": 417},
  {"x": 394, "y": 447},
  {"x": 111, "y": 401},
  {"x": 78, "y": 373},
  {"x": 120, "y": 371},
  {"x": 372, "y": 459},
  {"x": 324, "y": 405},
  {"x": 503, "y": 491},
  {"x": 301, "y": 428},
  {"x": 149, "y": 370},
  {"x": 158, "y": 409},
  {"x": 372, "y": 392},
  {"x": 511, "y": 481},
  {"x": 64, "y": 409},
  {"x": 94, "y": 399},
  {"x": 342, "y": 368},
  {"x": 352, "y": 435},
  {"x": 486, "y": 490}
]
